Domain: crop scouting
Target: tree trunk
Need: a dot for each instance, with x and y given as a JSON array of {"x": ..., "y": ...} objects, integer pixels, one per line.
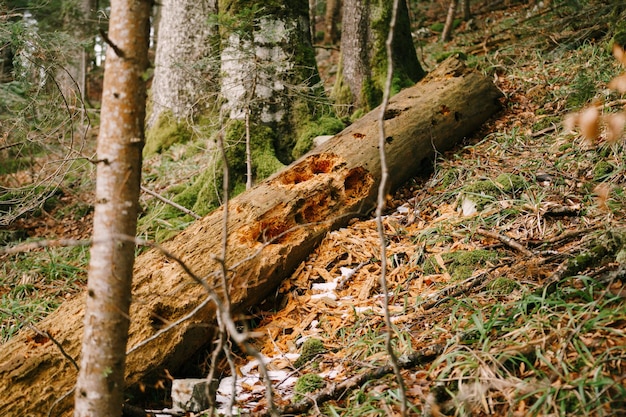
[
  {"x": 272, "y": 229},
  {"x": 331, "y": 21},
  {"x": 269, "y": 70},
  {"x": 365, "y": 26},
  {"x": 272, "y": 96},
  {"x": 355, "y": 58},
  {"x": 447, "y": 28},
  {"x": 100, "y": 384},
  {"x": 467, "y": 13},
  {"x": 186, "y": 68}
]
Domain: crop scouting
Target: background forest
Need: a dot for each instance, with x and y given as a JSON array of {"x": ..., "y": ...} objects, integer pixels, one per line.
[{"x": 503, "y": 262}]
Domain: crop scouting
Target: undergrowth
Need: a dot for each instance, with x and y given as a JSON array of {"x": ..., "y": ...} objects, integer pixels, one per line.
[{"x": 512, "y": 345}]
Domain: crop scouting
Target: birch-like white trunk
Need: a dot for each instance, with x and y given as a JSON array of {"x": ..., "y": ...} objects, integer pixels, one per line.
[{"x": 99, "y": 389}]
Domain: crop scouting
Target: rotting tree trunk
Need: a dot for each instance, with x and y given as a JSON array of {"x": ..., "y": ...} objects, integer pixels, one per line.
[{"x": 273, "y": 227}]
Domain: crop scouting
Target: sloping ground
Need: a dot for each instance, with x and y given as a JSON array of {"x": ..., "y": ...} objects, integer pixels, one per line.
[
  {"x": 505, "y": 271},
  {"x": 504, "y": 266}
]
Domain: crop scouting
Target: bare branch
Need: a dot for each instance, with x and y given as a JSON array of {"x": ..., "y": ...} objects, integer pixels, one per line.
[
  {"x": 170, "y": 202},
  {"x": 48, "y": 243},
  {"x": 382, "y": 192},
  {"x": 512, "y": 243}
]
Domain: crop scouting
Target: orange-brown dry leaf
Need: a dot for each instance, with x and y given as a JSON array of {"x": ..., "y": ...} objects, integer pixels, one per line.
[
  {"x": 602, "y": 192},
  {"x": 615, "y": 127},
  {"x": 366, "y": 289},
  {"x": 618, "y": 84},
  {"x": 619, "y": 54},
  {"x": 589, "y": 122}
]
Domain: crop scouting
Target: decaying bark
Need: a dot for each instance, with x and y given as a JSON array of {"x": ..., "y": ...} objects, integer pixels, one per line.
[{"x": 273, "y": 227}]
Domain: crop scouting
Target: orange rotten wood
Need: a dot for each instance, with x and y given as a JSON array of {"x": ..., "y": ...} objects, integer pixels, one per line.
[{"x": 272, "y": 228}]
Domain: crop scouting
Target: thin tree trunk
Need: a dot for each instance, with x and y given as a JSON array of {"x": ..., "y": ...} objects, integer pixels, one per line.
[
  {"x": 100, "y": 384},
  {"x": 467, "y": 14},
  {"x": 447, "y": 29},
  {"x": 312, "y": 17},
  {"x": 331, "y": 21},
  {"x": 272, "y": 228},
  {"x": 355, "y": 47}
]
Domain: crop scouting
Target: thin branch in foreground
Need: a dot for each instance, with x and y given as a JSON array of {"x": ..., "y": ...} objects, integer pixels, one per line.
[
  {"x": 225, "y": 317},
  {"x": 380, "y": 206},
  {"x": 171, "y": 203},
  {"x": 47, "y": 243}
]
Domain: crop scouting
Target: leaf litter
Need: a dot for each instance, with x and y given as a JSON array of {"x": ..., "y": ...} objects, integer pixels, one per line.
[{"x": 530, "y": 330}]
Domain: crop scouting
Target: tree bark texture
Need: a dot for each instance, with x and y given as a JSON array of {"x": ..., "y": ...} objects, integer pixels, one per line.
[
  {"x": 186, "y": 68},
  {"x": 269, "y": 70},
  {"x": 272, "y": 229},
  {"x": 100, "y": 384},
  {"x": 355, "y": 38},
  {"x": 365, "y": 26}
]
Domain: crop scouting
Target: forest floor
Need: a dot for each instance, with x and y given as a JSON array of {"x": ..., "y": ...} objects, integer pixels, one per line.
[{"x": 504, "y": 266}]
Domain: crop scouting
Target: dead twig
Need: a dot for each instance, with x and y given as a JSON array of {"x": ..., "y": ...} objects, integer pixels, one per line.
[
  {"x": 47, "y": 243},
  {"x": 171, "y": 203},
  {"x": 336, "y": 391},
  {"x": 512, "y": 243}
]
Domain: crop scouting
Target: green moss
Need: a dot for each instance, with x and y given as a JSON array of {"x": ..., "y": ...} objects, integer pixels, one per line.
[
  {"x": 165, "y": 132},
  {"x": 201, "y": 196},
  {"x": 341, "y": 94},
  {"x": 502, "y": 286},
  {"x": 461, "y": 264},
  {"x": 437, "y": 27},
  {"x": 310, "y": 349},
  {"x": 605, "y": 248},
  {"x": 371, "y": 93},
  {"x": 602, "y": 169},
  {"x": 323, "y": 126},
  {"x": 486, "y": 191},
  {"x": 357, "y": 115},
  {"x": 449, "y": 177},
  {"x": 442, "y": 56},
  {"x": 264, "y": 160},
  {"x": 204, "y": 193},
  {"x": 511, "y": 183},
  {"x": 481, "y": 193},
  {"x": 306, "y": 384}
]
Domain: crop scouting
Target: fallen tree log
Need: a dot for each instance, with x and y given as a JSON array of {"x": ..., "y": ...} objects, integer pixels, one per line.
[{"x": 272, "y": 228}]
